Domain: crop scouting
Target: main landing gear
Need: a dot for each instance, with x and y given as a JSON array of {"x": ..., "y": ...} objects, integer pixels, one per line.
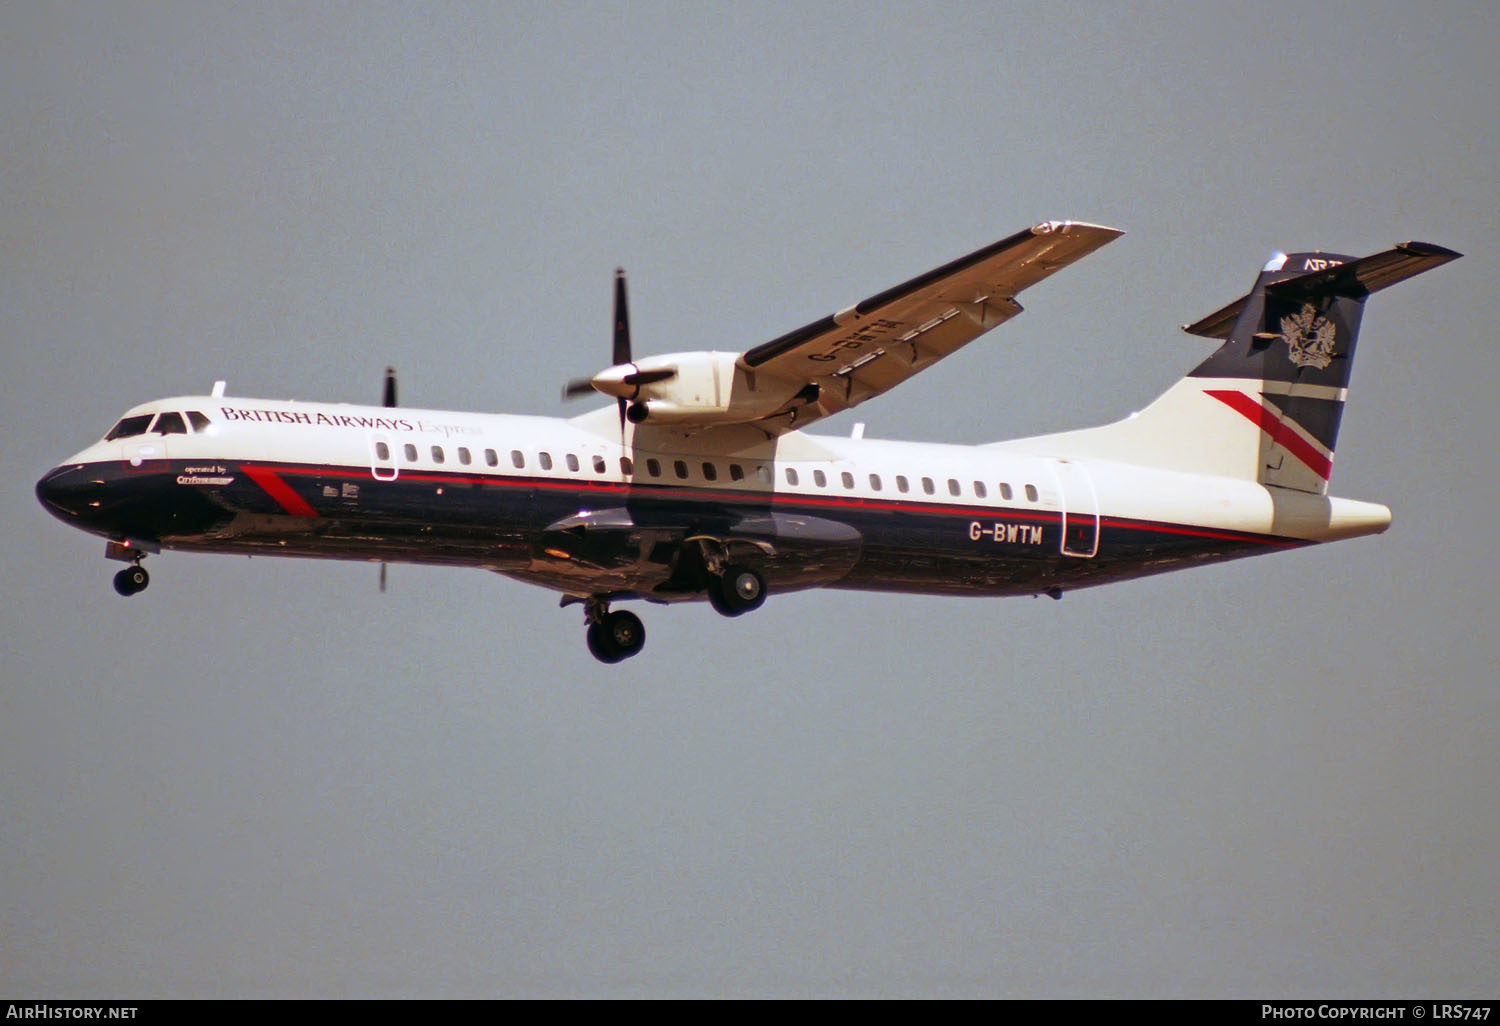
[
  {"x": 618, "y": 635},
  {"x": 736, "y": 590},
  {"x": 612, "y": 636}
]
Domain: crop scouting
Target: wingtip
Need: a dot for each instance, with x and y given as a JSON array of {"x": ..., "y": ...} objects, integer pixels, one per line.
[
  {"x": 1065, "y": 227},
  {"x": 1428, "y": 249}
]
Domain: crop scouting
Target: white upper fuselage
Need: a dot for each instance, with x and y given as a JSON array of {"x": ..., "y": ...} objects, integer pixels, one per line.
[{"x": 874, "y": 472}]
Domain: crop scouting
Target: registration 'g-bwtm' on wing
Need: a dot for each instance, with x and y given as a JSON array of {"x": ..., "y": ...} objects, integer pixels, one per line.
[{"x": 874, "y": 345}]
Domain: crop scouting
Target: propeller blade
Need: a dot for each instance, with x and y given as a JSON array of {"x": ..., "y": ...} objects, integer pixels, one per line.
[
  {"x": 622, "y": 337},
  {"x": 649, "y": 377},
  {"x": 622, "y": 320},
  {"x": 577, "y": 387}
]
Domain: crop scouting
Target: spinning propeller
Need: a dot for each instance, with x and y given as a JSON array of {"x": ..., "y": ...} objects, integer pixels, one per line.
[{"x": 621, "y": 379}]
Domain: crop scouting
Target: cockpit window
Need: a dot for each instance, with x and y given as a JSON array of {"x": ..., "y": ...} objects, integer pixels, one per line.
[
  {"x": 198, "y": 420},
  {"x": 129, "y": 427},
  {"x": 170, "y": 424}
]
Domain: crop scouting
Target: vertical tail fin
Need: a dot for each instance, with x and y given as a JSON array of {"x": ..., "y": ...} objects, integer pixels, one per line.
[{"x": 1265, "y": 406}]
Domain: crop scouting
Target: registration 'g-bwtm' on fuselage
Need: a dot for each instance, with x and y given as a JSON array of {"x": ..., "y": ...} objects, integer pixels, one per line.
[{"x": 700, "y": 483}]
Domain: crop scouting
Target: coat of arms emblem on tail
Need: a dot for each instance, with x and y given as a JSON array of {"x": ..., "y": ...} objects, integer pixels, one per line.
[{"x": 1309, "y": 338}]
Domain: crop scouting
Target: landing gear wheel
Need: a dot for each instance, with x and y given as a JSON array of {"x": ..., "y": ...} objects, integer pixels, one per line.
[
  {"x": 131, "y": 580},
  {"x": 737, "y": 590},
  {"x": 618, "y": 636},
  {"x": 599, "y": 646}
]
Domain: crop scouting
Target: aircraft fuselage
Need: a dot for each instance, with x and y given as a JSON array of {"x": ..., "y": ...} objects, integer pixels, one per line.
[{"x": 561, "y": 504}]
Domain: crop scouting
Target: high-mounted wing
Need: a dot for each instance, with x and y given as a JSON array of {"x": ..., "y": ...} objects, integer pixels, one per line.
[
  {"x": 844, "y": 359},
  {"x": 876, "y": 344}
]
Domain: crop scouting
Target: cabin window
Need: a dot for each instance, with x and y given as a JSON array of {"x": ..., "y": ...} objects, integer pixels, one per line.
[
  {"x": 763, "y": 474},
  {"x": 410, "y": 451},
  {"x": 491, "y": 458},
  {"x": 847, "y": 479},
  {"x": 653, "y": 467},
  {"x": 626, "y": 467},
  {"x": 875, "y": 482},
  {"x": 710, "y": 472},
  {"x": 198, "y": 420},
  {"x": 1031, "y": 493},
  {"x": 464, "y": 457},
  {"x": 979, "y": 489},
  {"x": 545, "y": 459},
  {"x": 791, "y": 476},
  {"x": 382, "y": 451},
  {"x": 517, "y": 459},
  {"x": 820, "y": 479},
  {"x": 598, "y": 462},
  {"x": 680, "y": 469},
  {"x": 928, "y": 486},
  {"x": 736, "y": 472},
  {"x": 902, "y": 485},
  {"x": 953, "y": 487},
  {"x": 437, "y": 454},
  {"x": 1004, "y": 490}
]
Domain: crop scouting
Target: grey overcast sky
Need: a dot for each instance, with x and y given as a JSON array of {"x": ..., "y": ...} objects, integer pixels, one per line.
[{"x": 1272, "y": 777}]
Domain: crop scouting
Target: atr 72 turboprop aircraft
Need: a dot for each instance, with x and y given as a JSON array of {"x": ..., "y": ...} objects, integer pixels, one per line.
[{"x": 700, "y": 483}]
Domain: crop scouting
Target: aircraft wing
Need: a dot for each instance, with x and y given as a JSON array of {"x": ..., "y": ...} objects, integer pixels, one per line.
[{"x": 876, "y": 344}]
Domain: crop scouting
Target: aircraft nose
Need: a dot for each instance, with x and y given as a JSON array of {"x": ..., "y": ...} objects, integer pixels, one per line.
[{"x": 69, "y": 492}]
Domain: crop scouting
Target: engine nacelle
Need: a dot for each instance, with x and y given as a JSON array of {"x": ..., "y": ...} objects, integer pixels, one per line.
[{"x": 702, "y": 387}]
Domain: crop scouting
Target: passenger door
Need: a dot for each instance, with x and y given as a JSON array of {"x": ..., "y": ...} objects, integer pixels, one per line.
[
  {"x": 384, "y": 465},
  {"x": 1080, "y": 512}
]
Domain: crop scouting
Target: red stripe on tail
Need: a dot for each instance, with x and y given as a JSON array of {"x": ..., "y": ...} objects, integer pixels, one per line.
[{"x": 1281, "y": 432}]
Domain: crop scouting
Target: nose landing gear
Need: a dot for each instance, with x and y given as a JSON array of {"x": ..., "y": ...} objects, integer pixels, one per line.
[{"x": 131, "y": 580}]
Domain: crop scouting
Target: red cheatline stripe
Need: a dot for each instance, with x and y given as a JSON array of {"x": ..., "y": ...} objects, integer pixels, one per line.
[
  {"x": 279, "y": 490},
  {"x": 668, "y": 492},
  {"x": 1280, "y": 432}
]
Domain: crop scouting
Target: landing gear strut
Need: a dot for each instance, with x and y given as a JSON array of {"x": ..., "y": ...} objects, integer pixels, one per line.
[
  {"x": 736, "y": 590},
  {"x": 134, "y": 577},
  {"x": 612, "y": 636}
]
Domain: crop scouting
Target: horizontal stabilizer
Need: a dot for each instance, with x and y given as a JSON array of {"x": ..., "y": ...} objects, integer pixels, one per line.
[{"x": 1354, "y": 279}]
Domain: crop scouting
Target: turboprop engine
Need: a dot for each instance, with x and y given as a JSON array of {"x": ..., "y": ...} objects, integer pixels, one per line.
[
  {"x": 701, "y": 388},
  {"x": 698, "y": 387}
]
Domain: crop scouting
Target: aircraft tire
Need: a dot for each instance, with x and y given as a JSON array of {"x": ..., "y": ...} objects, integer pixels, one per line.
[
  {"x": 131, "y": 580},
  {"x": 619, "y": 637},
  {"x": 599, "y": 645},
  {"x": 738, "y": 590},
  {"x": 626, "y": 633}
]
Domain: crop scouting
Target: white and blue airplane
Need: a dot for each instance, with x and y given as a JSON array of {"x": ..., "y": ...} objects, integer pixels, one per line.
[{"x": 700, "y": 483}]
